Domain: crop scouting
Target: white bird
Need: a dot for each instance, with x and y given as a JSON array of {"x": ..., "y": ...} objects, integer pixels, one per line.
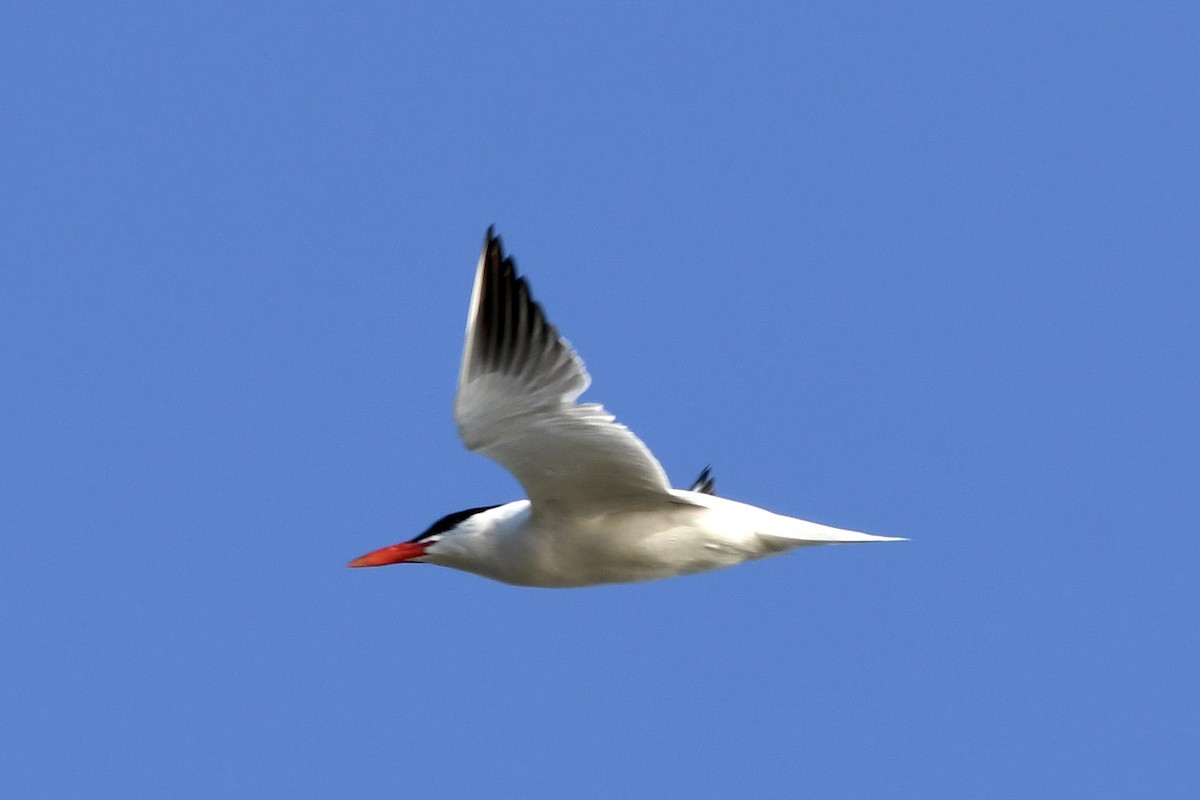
[{"x": 600, "y": 508}]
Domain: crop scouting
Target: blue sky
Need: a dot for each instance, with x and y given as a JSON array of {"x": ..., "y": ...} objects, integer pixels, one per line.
[{"x": 926, "y": 272}]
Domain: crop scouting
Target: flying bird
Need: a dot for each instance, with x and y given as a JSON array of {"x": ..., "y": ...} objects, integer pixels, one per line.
[{"x": 600, "y": 508}]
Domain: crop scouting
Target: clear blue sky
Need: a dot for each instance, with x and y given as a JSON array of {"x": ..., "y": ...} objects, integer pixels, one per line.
[{"x": 926, "y": 272}]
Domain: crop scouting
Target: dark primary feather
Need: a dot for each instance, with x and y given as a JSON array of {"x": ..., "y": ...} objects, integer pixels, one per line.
[
  {"x": 512, "y": 334},
  {"x": 705, "y": 483}
]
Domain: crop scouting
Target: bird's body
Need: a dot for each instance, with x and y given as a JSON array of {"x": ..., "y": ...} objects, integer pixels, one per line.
[
  {"x": 600, "y": 509},
  {"x": 692, "y": 532}
]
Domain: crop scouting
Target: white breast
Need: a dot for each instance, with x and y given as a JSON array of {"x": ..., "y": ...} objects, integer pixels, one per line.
[{"x": 510, "y": 544}]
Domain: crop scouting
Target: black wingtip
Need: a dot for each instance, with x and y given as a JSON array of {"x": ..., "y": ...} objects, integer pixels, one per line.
[
  {"x": 493, "y": 246},
  {"x": 705, "y": 483}
]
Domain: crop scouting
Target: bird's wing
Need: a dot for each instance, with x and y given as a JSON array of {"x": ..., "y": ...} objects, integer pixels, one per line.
[
  {"x": 705, "y": 483},
  {"x": 516, "y": 405}
]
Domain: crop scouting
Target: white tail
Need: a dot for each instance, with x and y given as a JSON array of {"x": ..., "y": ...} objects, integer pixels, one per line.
[{"x": 805, "y": 531}]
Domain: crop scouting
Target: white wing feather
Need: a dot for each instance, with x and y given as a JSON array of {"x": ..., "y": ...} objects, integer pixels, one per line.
[{"x": 516, "y": 405}]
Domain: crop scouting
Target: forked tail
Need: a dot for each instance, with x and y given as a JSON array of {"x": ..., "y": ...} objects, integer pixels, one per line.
[{"x": 804, "y": 531}]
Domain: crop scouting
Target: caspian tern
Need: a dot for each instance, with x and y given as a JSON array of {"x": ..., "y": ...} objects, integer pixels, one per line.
[{"x": 600, "y": 508}]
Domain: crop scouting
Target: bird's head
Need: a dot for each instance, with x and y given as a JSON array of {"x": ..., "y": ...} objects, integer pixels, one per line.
[{"x": 424, "y": 547}]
